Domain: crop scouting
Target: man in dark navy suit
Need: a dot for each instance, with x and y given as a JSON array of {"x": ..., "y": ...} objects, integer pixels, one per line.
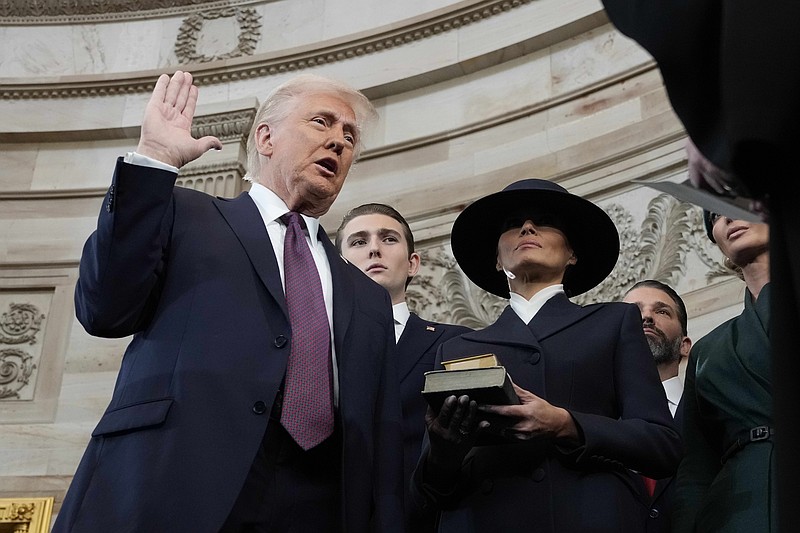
[
  {"x": 665, "y": 323},
  {"x": 378, "y": 240},
  {"x": 195, "y": 437}
]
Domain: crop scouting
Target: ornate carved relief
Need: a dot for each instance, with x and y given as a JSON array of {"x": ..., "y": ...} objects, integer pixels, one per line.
[
  {"x": 224, "y": 179},
  {"x": 368, "y": 44},
  {"x": 77, "y": 11},
  {"x": 26, "y": 515},
  {"x": 16, "y": 368},
  {"x": 657, "y": 249},
  {"x": 191, "y": 32},
  {"x": 447, "y": 295},
  {"x": 19, "y": 325},
  {"x": 224, "y": 126}
]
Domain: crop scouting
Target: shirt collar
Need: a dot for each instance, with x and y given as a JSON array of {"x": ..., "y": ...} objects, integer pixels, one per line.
[
  {"x": 401, "y": 313},
  {"x": 527, "y": 309},
  {"x": 674, "y": 389},
  {"x": 272, "y": 207}
]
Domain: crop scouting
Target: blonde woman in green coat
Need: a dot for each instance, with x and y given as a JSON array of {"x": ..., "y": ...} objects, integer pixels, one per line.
[{"x": 726, "y": 480}]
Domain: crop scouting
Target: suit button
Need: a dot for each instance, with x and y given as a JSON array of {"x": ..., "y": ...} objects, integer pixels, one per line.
[
  {"x": 537, "y": 474},
  {"x": 110, "y": 203},
  {"x": 259, "y": 407},
  {"x": 280, "y": 341},
  {"x": 654, "y": 513},
  {"x": 532, "y": 358},
  {"x": 487, "y": 486}
]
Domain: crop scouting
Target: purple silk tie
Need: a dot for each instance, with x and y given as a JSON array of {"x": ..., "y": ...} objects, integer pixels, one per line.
[{"x": 308, "y": 392}]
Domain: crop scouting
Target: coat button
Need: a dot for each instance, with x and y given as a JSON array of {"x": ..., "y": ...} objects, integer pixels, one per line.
[
  {"x": 280, "y": 341},
  {"x": 487, "y": 485},
  {"x": 537, "y": 474},
  {"x": 532, "y": 357},
  {"x": 259, "y": 407},
  {"x": 654, "y": 513},
  {"x": 110, "y": 203}
]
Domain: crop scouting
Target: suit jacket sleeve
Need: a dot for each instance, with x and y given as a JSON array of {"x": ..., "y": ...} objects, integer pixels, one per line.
[{"x": 123, "y": 259}]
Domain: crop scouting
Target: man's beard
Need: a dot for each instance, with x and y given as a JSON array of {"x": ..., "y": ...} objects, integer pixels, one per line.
[{"x": 663, "y": 351}]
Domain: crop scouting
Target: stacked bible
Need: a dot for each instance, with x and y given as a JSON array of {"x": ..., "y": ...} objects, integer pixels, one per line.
[{"x": 480, "y": 377}]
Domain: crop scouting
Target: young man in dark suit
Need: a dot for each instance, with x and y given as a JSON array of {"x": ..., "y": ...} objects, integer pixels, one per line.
[
  {"x": 197, "y": 436},
  {"x": 378, "y": 240}
]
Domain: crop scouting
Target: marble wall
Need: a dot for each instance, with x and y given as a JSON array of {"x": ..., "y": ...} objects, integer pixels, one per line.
[{"x": 472, "y": 95}]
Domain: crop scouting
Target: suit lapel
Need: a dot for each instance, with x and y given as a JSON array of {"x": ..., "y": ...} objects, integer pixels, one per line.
[
  {"x": 244, "y": 219},
  {"x": 418, "y": 336},
  {"x": 507, "y": 329},
  {"x": 343, "y": 293},
  {"x": 557, "y": 314},
  {"x": 661, "y": 485}
]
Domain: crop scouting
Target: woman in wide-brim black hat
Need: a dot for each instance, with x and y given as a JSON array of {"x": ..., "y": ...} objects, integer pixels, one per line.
[
  {"x": 589, "y": 234},
  {"x": 592, "y": 411}
]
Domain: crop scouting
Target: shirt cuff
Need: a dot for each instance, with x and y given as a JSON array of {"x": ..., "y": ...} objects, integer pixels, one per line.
[{"x": 142, "y": 160}]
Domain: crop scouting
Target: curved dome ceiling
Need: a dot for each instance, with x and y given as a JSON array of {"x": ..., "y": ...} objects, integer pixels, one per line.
[{"x": 56, "y": 11}]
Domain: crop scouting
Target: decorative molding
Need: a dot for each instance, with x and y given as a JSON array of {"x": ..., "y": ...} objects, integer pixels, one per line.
[
  {"x": 191, "y": 31},
  {"x": 265, "y": 65},
  {"x": 225, "y": 126},
  {"x": 220, "y": 179},
  {"x": 40, "y": 12},
  {"x": 26, "y": 515}
]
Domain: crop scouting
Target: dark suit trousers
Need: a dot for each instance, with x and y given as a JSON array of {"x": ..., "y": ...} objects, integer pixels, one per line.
[{"x": 289, "y": 490}]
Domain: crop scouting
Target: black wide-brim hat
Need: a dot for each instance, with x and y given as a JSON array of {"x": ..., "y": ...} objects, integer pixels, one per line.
[{"x": 590, "y": 231}]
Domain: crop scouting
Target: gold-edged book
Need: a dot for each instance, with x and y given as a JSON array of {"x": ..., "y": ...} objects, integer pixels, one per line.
[
  {"x": 486, "y": 385},
  {"x": 473, "y": 361}
]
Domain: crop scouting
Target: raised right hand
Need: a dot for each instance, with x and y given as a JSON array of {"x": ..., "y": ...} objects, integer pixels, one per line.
[{"x": 167, "y": 124}]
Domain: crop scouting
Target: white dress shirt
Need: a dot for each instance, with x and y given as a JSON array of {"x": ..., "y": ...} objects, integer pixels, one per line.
[
  {"x": 401, "y": 314},
  {"x": 674, "y": 389},
  {"x": 527, "y": 309}
]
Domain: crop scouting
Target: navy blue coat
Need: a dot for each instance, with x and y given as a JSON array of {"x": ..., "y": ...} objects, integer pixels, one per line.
[
  {"x": 194, "y": 279},
  {"x": 416, "y": 352},
  {"x": 593, "y": 361},
  {"x": 658, "y": 507}
]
